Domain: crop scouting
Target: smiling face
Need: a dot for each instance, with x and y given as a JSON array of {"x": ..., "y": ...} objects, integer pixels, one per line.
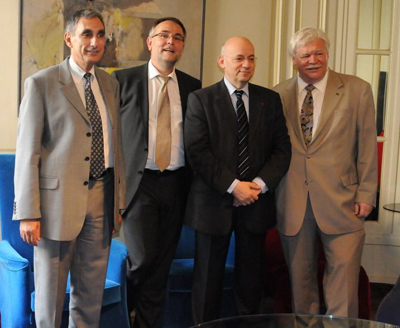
[
  {"x": 87, "y": 42},
  {"x": 238, "y": 61},
  {"x": 165, "y": 52},
  {"x": 311, "y": 61}
]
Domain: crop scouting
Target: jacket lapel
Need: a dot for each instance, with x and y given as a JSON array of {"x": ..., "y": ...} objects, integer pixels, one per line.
[
  {"x": 69, "y": 90},
  {"x": 292, "y": 109},
  {"x": 333, "y": 94},
  {"x": 106, "y": 91},
  {"x": 255, "y": 110},
  {"x": 143, "y": 99},
  {"x": 224, "y": 106}
]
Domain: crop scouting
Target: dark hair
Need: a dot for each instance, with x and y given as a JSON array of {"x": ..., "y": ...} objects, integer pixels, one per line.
[
  {"x": 173, "y": 19},
  {"x": 83, "y": 13}
]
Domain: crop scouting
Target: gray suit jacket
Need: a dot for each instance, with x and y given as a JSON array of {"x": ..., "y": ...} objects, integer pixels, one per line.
[
  {"x": 340, "y": 166},
  {"x": 53, "y": 144}
]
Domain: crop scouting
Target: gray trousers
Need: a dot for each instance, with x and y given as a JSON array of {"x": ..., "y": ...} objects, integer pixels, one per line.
[{"x": 85, "y": 258}]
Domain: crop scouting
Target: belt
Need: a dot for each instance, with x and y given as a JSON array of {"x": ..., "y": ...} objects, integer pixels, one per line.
[{"x": 163, "y": 173}]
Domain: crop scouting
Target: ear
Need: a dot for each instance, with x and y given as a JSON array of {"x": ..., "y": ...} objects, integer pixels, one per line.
[
  {"x": 67, "y": 38},
  {"x": 221, "y": 61},
  {"x": 149, "y": 42}
]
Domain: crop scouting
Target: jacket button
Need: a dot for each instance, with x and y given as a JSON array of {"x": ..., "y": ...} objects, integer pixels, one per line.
[
  {"x": 146, "y": 149},
  {"x": 85, "y": 183},
  {"x": 87, "y": 158},
  {"x": 140, "y": 172},
  {"x": 88, "y": 134},
  {"x": 306, "y": 183}
]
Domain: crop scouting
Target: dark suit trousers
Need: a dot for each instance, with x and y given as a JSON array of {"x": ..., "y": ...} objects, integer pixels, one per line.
[
  {"x": 152, "y": 226},
  {"x": 209, "y": 267}
]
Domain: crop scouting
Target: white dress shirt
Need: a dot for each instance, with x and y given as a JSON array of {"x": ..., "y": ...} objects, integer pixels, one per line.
[
  {"x": 245, "y": 98},
  {"x": 77, "y": 75},
  {"x": 177, "y": 151}
]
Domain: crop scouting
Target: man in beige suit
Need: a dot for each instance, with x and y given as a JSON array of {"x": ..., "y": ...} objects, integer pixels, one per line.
[
  {"x": 69, "y": 183},
  {"x": 332, "y": 180}
]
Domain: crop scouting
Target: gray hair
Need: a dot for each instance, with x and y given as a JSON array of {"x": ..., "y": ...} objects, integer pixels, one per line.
[
  {"x": 84, "y": 13},
  {"x": 304, "y": 36}
]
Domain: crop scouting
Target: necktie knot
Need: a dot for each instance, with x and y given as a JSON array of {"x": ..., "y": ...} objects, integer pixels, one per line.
[
  {"x": 164, "y": 79},
  {"x": 310, "y": 87},
  {"x": 87, "y": 77},
  {"x": 239, "y": 94}
]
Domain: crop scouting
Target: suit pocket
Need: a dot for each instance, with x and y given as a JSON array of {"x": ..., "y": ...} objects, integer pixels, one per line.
[
  {"x": 48, "y": 183},
  {"x": 349, "y": 179}
]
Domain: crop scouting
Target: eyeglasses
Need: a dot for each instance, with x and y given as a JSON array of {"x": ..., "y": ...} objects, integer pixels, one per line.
[
  {"x": 165, "y": 36},
  {"x": 241, "y": 59}
]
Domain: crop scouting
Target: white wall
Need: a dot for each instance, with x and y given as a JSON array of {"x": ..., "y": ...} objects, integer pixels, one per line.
[
  {"x": 227, "y": 18},
  {"x": 9, "y": 74}
]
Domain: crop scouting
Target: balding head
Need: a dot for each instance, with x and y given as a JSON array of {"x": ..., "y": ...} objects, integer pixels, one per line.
[{"x": 237, "y": 59}]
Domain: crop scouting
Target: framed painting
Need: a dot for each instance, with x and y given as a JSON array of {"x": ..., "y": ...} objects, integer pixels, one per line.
[{"x": 128, "y": 23}]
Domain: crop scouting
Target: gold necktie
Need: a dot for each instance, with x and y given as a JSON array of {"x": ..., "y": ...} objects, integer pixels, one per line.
[{"x": 163, "y": 136}]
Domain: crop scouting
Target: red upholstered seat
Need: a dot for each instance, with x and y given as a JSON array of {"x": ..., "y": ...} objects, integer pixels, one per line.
[{"x": 278, "y": 282}]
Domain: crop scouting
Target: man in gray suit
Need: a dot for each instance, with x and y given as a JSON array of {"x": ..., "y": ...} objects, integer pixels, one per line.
[
  {"x": 332, "y": 180},
  {"x": 69, "y": 175},
  {"x": 156, "y": 189}
]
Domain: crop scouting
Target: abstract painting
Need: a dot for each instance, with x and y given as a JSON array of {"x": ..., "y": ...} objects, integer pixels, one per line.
[{"x": 128, "y": 23}]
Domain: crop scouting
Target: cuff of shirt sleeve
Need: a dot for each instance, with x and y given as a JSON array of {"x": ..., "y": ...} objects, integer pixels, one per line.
[
  {"x": 261, "y": 183},
  {"x": 233, "y": 185}
]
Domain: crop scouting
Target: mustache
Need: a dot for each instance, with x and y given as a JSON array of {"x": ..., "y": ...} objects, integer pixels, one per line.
[{"x": 313, "y": 66}]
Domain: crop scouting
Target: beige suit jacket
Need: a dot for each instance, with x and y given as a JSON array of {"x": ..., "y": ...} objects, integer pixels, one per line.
[
  {"x": 53, "y": 147},
  {"x": 340, "y": 166}
]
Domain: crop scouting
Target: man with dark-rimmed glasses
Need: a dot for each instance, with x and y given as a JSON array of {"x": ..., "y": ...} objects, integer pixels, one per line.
[{"x": 153, "y": 106}]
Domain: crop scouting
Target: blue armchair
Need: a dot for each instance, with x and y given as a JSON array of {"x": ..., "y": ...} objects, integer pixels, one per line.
[
  {"x": 177, "y": 310},
  {"x": 16, "y": 270}
]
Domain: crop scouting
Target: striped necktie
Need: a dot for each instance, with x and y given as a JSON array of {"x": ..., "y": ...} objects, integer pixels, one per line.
[{"x": 243, "y": 136}]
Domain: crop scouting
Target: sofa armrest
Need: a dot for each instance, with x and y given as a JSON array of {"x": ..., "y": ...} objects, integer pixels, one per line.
[
  {"x": 116, "y": 270},
  {"x": 15, "y": 287}
]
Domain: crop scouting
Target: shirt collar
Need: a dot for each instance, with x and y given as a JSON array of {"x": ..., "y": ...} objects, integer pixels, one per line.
[
  {"x": 77, "y": 71},
  {"x": 320, "y": 85},
  {"x": 153, "y": 72},
  {"x": 232, "y": 89}
]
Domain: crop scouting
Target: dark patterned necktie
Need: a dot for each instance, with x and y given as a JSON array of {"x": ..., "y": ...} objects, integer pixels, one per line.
[
  {"x": 306, "y": 116},
  {"x": 243, "y": 136},
  {"x": 163, "y": 132},
  {"x": 97, "y": 151}
]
